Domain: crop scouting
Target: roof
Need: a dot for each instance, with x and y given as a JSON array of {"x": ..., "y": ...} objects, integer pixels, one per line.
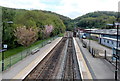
[
  {"x": 106, "y": 31},
  {"x": 91, "y": 29},
  {"x": 112, "y": 24},
  {"x": 110, "y": 38}
]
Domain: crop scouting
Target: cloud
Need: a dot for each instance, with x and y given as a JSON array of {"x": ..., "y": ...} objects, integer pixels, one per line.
[
  {"x": 24, "y": 4},
  {"x": 70, "y": 8},
  {"x": 74, "y": 8}
]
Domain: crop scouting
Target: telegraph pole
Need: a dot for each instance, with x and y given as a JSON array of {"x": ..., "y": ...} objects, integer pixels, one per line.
[{"x": 116, "y": 68}]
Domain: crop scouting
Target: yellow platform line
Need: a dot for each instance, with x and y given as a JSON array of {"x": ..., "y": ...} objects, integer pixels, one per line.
[{"x": 84, "y": 71}]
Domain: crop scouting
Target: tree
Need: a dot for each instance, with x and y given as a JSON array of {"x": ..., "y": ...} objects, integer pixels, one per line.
[
  {"x": 97, "y": 19},
  {"x": 48, "y": 30},
  {"x": 26, "y": 36},
  {"x": 30, "y": 18}
]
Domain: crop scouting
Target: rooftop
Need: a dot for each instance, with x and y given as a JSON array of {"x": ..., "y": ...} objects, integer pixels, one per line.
[
  {"x": 106, "y": 31},
  {"x": 115, "y": 24}
]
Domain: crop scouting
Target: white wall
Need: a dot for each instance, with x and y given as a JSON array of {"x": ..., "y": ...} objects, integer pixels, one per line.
[{"x": 111, "y": 43}]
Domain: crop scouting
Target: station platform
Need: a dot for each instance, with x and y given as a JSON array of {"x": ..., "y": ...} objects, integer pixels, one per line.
[
  {"x": 25, "y": 66},
  {"x": 84, "y": 71},
  {"x": 99, "y": 68}
]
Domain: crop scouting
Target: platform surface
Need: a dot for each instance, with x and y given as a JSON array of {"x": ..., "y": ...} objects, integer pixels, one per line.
[
  {"x": 84, "y": 71},
  {"x": 24, "y": 67},
  {"x": 99, "y": 67}
]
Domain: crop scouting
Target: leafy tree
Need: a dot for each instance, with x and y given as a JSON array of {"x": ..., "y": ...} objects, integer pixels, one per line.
[{"x": 26, "y": 36}]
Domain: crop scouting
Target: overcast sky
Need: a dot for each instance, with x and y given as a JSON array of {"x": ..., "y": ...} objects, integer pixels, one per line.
[{"x": 70, "y": 8}]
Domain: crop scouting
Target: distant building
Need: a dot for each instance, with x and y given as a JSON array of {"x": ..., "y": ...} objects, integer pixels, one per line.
[
  {"x": 109, "y": 40},
  {"x": 107, "y": 37},
  {"x": 111, "y": 26}
]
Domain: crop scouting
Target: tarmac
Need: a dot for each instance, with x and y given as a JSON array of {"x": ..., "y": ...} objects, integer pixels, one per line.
[{"x": 23, "y": 67}]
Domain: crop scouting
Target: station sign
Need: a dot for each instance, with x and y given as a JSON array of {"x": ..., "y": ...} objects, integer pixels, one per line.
[{"x": 5, "y": 46}]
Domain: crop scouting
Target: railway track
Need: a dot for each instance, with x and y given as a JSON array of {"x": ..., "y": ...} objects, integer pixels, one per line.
[
  {"x": 60, "y": 63},
  {"x": 71, "y": 70}
]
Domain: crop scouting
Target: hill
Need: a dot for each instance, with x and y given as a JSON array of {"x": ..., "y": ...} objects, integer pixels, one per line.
[
  {"x": 66, "y": 20},
  {"x": 97, "y": 19},
  {"x": 41, "y": 18},
  {"x": 31, "y": 18}
]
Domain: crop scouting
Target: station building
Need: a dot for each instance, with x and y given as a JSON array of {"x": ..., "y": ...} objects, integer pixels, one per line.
[{"x": 107, "y": 37}]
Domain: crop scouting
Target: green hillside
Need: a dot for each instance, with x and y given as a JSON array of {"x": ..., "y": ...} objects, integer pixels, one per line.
[
  {"x": 40, "y": 18},
  {"x": 97, "y": 19},
  {"x": 66, "y": 20},
  {"x": 30, "y": 18}
]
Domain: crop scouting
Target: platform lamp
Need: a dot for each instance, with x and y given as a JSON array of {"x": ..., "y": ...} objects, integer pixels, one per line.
[
  {"x": 4, "y": 46},
  {"x": 89, "y": 36},
  {"x": 3, "y": 50},
  {"x": 116, "y": 55},
  {"x": 75, "y": 29}
]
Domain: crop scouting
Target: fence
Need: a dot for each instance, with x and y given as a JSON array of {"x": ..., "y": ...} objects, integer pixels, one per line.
[
  {"x": 98, "y": 53},
  {"x": 8, "y": 62}
]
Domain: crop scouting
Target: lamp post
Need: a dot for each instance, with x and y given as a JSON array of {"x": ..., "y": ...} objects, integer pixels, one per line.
[
  {"x": 90, "y": 35},
  {"x": 116, "y": 56},
  {"x": 4, "y": 49},
  {"x": 4, "y": 46},
  {"x": 75, "y": 29},
  {"x": 89, "y": 38}
]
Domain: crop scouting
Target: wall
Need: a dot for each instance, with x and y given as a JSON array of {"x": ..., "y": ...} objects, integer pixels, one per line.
[{"x": 109, "y": 43}]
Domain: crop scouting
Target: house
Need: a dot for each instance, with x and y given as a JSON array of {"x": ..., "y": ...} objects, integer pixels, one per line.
[
  {"x": 107, "y": 37},
  {"x": 110, "y": 26}
]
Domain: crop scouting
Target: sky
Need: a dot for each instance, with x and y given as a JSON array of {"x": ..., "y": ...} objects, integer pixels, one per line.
[{"x": 69, "y": 8}]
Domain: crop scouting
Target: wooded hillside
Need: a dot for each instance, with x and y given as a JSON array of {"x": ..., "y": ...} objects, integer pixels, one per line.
[
  {"x": 48, "y": 23},
  {"x": 43, "y": 21},
  {"x": 97, "y": 19}
]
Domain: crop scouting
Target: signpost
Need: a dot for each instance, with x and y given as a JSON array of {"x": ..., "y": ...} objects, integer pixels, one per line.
[{"x": 4, "y": 46}]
